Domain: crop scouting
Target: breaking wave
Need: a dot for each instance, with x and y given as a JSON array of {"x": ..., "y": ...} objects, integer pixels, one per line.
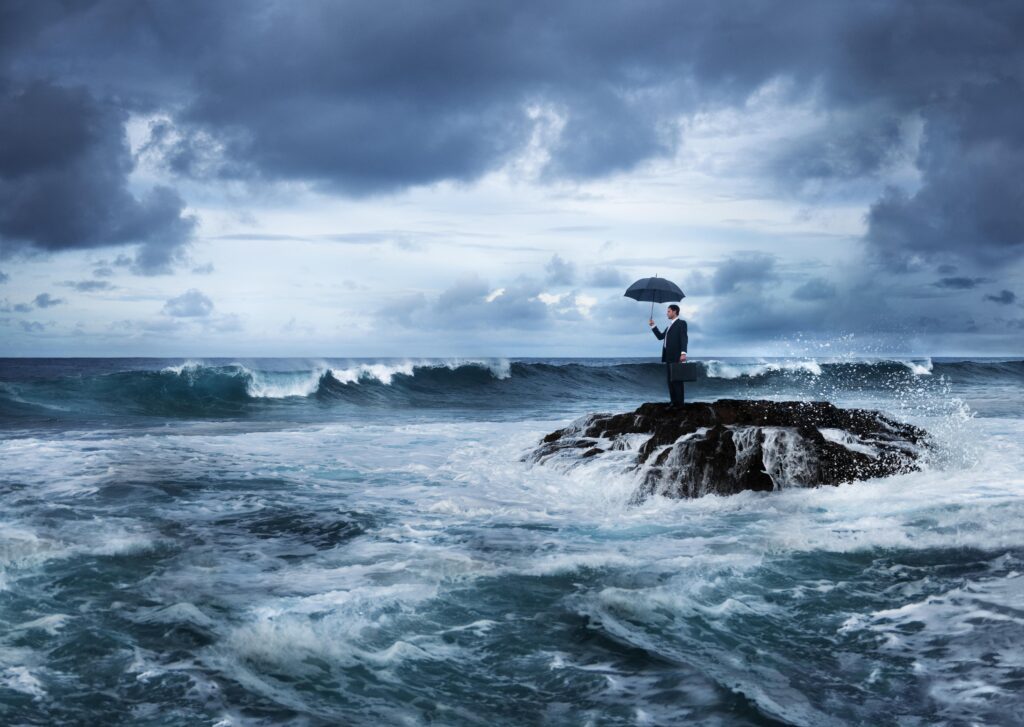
[{"x": 202, "y": 388}]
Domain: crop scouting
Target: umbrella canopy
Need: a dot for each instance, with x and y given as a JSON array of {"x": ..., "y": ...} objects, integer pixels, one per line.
[{"x": 655, "y": 290}]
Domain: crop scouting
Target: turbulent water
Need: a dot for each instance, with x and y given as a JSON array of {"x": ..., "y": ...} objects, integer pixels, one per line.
[{"x": 360, "y": 542}]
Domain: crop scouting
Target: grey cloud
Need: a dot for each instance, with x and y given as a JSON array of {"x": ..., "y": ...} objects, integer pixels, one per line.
[
  {"x": 4, "y": 277},
  {"x": 619, "y": 74},
  {"x": 64, "y": 171},
  {"x": 464, "y": 306},
  {"x": 1004, "y": 297},
  {"x": 88, "y": 286},
  {"x": 696, "y": 283},
  {"x": 205, "y": 269},
  {"x": 372, "y": 101},
  {"x": 190, "y": 304},
  {"x": 815, "y": 289},
  {"x": 970, "y": 204},
  {"x": 32, "y": 326},
  {"x": 45, "y": 300},
  {"x": 960, "y": 283},
  {"x": 753, "y": 269},
  {"x": 607, "y": 277},
  {"x": 560, "y": 271}
]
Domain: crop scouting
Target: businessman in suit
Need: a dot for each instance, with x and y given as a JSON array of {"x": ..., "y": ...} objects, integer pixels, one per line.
[{"x": 673, "y": 349}]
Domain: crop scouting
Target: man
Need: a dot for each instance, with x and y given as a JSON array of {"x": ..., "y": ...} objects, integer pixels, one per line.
[{"x": 673, "y": 349}]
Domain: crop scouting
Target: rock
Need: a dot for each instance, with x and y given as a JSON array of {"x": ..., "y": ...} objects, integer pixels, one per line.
[{"x": 731, "y": 445}]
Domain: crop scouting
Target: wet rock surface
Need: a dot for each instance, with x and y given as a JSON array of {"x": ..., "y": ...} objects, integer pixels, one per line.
[{"x": 730, "y": 445}]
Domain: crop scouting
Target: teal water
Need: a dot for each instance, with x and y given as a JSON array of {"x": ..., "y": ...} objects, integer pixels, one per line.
[{"x": 354, "y": 542}]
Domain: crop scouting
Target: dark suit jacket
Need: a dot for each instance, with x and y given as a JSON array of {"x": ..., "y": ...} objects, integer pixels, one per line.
[{"x": 676, "y": 343}]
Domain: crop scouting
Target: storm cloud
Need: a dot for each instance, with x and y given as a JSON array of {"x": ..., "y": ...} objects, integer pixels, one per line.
[
  {"x": 119, "y": 116},
  {"x": 384, "y": 96},
  {"x": 1004, "y": 297},
  {"x": 64, "y": 168}
]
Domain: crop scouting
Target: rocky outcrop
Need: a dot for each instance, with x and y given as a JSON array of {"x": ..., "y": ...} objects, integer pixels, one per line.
[{"x": 730, "y": 445}]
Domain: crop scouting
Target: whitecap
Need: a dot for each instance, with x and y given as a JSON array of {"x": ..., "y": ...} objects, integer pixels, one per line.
[{"x": 722, "y": 370}]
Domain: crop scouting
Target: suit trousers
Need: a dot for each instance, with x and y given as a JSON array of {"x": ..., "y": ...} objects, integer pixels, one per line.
[{"x": 676, "y": 389}]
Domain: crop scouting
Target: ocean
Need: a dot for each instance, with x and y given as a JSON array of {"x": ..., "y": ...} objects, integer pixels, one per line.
[{"x": 324, "y": 542}]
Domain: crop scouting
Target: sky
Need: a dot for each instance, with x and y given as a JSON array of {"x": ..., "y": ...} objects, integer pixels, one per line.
[{"x": 464, "y": 179}]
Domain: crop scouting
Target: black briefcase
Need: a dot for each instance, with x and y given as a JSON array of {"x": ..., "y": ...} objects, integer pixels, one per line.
[{"x": 683, "y": 371}]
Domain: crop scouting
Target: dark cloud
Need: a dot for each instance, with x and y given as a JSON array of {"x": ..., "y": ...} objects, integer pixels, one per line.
[
  {"x": 372, "y": 101},
  {"x": 190, "y": 304},
  {"x": 846, "y": 149},
  {"x": 560, "y": 271},
  {"x": 696, "y": 283},
  {"x": 1004, "y": 297},
  {"x": 815, "y": 289},
  {"x": 64, "y": 169},
  {"x": 970, "y": 203},
  {"x": 88, "y": 286},
  {"x": 753, "y": 269},
  {"x": 32, "y": 326},
  {"x": 960, "y": 283},
  {"x": 45, "y": 300},
  {"x": 442, "y": 91}
]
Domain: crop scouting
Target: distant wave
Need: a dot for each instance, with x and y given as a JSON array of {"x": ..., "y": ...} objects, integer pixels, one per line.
[
  {"x": 731, "y": 370},
  {"x": 195, "y": 388}
]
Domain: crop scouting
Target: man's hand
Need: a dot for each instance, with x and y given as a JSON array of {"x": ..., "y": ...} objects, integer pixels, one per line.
[
  {"x": 682, "y": 357},
  {"x": 651, "y": 323}
]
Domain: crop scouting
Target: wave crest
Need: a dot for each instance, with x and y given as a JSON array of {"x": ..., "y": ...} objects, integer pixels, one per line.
[{"x": 198, "y": 388}]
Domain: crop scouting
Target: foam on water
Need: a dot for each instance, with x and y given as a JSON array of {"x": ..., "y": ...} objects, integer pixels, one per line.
[
  {"x": 414, "y": 568},
  {"x": 720, "y": 370}
]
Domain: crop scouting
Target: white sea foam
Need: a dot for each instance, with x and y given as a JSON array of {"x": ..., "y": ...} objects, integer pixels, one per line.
[
  {"x": 281, "y": 385},
  {"x": 966, "y": 642},
  {"x": 922, "y": 367},
  {"x": 384, "y": 373},
  {"x": 453, "y": 509},
  {"x": 185, "y": 368},
  {"x": 732, "y": 370},
  {"x": 849, "y": 440},
  {"x": 21, "y": 679},
  {"x": 50, "y": 624},
  {"x": 284, "y": 384}
]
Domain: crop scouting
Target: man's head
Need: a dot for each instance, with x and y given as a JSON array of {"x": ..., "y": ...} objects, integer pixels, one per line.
[{"x": 672, "y": 312}]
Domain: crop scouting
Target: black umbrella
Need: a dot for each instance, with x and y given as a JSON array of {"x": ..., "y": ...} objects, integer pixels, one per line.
[{"x": 656, "y": 290}]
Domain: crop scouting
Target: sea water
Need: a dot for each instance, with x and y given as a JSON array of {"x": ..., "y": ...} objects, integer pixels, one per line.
[{"x": 323, "y": 542}]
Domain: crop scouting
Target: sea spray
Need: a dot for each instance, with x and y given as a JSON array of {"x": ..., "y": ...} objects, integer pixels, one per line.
[{"x": 182, "y": 544}]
